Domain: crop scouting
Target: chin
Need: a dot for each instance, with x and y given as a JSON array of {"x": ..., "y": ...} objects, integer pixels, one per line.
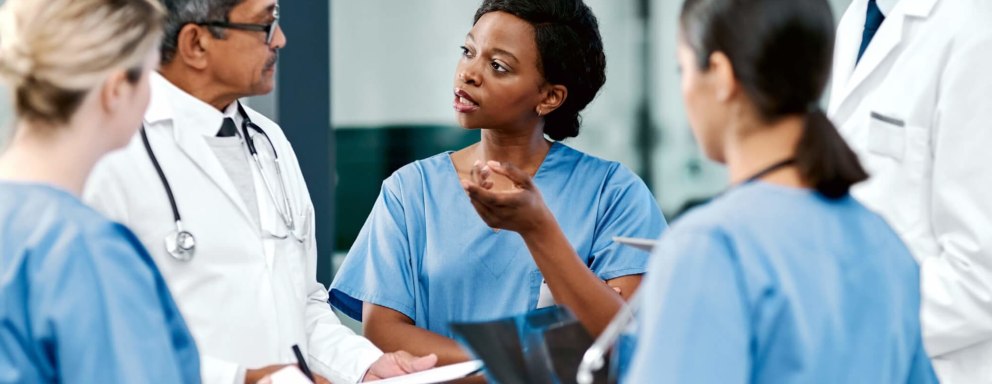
[
  {"x": 263, "y": 89},
  {"x": 124, "y": 139},
  {"x": 467, "y": 123},
  {"x": 714, "y": 154}
]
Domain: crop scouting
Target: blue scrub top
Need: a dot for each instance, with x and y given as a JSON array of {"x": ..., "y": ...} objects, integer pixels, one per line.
[
  {"x": 425, "y": 252},
  {"x": 80, "y": 298},
  {"x": 769, "y": 284}
]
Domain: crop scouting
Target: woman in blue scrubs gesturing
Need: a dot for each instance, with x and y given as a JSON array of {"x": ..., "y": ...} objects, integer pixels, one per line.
[
  {"x": 785, "y": 278},
  {"x": 80, "y": 300},
  {"x": 431, "y": 251}
]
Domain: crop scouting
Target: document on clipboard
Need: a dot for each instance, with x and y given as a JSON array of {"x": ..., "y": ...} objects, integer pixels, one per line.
[
  {"x": 436, "y": 375},
  {"x": 646, "y": 245}
]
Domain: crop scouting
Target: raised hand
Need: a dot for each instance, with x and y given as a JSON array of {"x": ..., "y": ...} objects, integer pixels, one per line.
[{"x": 519, "y": 209}]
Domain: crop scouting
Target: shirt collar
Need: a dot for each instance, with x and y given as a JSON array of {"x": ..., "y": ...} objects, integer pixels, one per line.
[
  {"x": 185, "y": 111},
  {"x": 886, "y": 6},
  {"x": 233, "y": 113}
]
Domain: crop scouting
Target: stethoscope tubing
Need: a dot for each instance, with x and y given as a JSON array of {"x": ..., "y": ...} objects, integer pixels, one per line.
[
  {"x": 285, "y": 211},
  {"x": 161, "y": 176}
]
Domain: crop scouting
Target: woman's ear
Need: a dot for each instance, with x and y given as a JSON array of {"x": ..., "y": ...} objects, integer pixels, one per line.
[
  {"x": 554, "y": 97},
  {"x": 115, "y": 91},
  {"x": 192, "y": 46},
  {"x": 723, "y": 78}
]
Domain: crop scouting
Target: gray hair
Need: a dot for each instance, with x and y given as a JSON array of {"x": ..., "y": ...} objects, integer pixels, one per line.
[{"x": 182, "y": 12}]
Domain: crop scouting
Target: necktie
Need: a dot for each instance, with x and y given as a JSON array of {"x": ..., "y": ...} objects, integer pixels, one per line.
[
  {"x": 873, "y": 20},
  {"x": 228, "y": 128}
]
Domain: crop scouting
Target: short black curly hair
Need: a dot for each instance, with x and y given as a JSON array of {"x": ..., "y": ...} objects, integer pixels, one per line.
[{"x": 570, "y": 52}]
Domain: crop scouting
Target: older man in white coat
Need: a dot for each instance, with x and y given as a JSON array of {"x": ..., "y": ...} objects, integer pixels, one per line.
[
  {"x": 245, "y": 280},
  {"x": 912, "y": 93}
]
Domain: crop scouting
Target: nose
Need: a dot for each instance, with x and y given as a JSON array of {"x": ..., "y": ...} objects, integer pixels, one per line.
[
  {"x": 279, "y": 40},
  {"x": 468, "y": 75}
]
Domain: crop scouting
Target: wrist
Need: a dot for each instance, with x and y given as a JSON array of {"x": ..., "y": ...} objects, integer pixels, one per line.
[
  {"x": 540, "y": 225},
  {"x": 248, "y": 376}
]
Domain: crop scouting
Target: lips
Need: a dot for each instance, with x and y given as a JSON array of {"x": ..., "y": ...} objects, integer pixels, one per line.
[
  {"x": 464, "y": 103},
  {"x": 269, "y": 65}
]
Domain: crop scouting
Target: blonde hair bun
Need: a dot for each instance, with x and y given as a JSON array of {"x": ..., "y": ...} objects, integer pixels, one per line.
[
  {"x": 53, "y": 52},
  {"x": 16, "y": 60}
]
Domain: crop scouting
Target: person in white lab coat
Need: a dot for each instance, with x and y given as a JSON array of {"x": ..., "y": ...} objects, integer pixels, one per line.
[
  {"x": 912, "y": 94},
  {"x": 248, "y": 289}
]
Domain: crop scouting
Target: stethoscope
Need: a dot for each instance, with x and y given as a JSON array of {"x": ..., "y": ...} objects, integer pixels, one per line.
[{"x": 181, "y": 244}]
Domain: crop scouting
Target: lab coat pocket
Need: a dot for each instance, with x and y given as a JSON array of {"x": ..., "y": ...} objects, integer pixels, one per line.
[
  {"x": 887, "y": 136},
  {"x": 898, "y": 173},
  {"x": 294, "y": 255},
  {"x": 296, "y": 252}
]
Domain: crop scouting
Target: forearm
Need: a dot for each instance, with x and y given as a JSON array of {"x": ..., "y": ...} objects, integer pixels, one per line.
[
  {"x": 572, "y": 283},
  {"x": 399, "y": 336}
]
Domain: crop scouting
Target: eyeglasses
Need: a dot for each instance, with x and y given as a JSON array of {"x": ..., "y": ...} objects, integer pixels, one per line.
[{"x": 269, "y": 29}]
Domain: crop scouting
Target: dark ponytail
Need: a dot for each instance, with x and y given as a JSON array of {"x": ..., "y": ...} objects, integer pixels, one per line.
[
  {"x": 781, "y": 52},
  {"x": 824, "y": 159}
]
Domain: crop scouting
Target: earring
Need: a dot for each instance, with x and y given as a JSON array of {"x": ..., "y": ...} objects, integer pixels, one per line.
[{"x": 539, "y": 112}]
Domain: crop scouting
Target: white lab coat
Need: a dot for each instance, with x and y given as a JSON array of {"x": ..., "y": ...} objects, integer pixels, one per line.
[
  {"x": 246, "y": 298},
  {"x": 918, "y": 111}
]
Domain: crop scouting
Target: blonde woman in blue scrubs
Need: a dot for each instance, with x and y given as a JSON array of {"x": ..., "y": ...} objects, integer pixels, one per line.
[
  {"x": 785, "y": 278},
  {"x": 429, "y": 254},
  {"x": 81, "y": 301}
]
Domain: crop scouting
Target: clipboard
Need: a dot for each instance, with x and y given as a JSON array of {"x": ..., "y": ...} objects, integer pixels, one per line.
[
  {"x": 643, "y": 244},
  {"x": 436, "y": 375}
]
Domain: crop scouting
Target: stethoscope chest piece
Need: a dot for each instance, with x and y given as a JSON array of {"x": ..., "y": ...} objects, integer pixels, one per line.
[{"x": 181, "y": 245}]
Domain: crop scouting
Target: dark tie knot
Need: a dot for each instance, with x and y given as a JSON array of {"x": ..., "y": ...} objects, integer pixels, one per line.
[{"x": 228, "y": 128}]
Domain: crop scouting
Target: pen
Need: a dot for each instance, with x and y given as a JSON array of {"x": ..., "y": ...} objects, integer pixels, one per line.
[{"x": 302, "y": 364}]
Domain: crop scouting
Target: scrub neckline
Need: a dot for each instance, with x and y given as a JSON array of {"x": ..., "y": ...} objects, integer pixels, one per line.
[
  {"x": 784, "y": 188},
  {"x": 37, "y": 185},
  {"x": 464, "y": 196},
  {"x": 540, "y": 168}
]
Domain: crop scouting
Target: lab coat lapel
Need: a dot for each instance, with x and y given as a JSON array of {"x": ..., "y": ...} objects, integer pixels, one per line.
[
  {"x": 191, "y": 142},
  {"x": 887, "y": 40},
  {"x": 846, "y": 51}
]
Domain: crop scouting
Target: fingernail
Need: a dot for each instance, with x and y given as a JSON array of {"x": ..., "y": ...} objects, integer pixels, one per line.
[
  {"x": 476, "y": 163},
  {"x": 493, "y": 163}
]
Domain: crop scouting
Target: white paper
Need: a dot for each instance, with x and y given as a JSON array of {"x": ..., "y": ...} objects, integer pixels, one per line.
[
  {"x": 436, "y": 375},
  {"x": 287, "y": 375},
  {"x": 545, "y": 298},
  {"x": 643, "y": 244}
]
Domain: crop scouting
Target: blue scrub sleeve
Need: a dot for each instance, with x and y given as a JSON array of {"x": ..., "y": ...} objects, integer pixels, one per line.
[
  {"x": 107, "y": 315},
  {"x": 693, "y": 317},
  {"x": 378, "y": 268},
  {"x": 627, "y": 209}
]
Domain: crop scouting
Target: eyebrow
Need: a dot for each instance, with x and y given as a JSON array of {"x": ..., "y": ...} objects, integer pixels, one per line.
[
  {"x": 498, "y": 51},
  {"x": 267, "y": 12}
]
